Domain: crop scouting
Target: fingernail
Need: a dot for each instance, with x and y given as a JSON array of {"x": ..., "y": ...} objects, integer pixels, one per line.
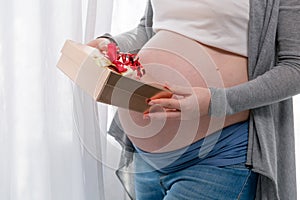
[
  {"x": 166, "y": 87},
  {"x": 150, "y": 103}
]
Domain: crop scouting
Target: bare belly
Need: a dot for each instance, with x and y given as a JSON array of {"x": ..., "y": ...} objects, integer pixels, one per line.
[{"x": 172, "y": 58}]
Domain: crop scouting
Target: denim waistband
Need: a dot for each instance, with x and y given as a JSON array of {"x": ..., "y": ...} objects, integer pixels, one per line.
[{"x": 222, "y": 148}]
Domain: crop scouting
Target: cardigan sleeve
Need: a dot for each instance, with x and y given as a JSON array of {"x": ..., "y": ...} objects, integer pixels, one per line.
[
  {"x": 277, "y": 84},
  {"x": 134, "y": 40}
]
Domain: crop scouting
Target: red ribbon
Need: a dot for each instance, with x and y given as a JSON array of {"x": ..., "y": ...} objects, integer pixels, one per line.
[{"x": 121, "y": 60}]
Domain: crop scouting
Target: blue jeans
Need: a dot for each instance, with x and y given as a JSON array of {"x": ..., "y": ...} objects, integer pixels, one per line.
[{"x": 197, "y": 182}]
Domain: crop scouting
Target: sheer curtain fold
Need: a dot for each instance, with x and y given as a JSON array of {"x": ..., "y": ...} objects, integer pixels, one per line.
[{"x": 43, "y": 156}]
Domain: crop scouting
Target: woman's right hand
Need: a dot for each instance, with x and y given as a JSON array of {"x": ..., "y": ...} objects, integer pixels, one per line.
[{"x": 100, "y": 43}]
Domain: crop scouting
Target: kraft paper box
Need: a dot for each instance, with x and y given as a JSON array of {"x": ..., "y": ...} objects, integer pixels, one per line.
[{"x": 78, "y": 62}]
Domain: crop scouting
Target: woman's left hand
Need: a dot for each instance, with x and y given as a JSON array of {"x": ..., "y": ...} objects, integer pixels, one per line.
[{"x": 187, "y": 103}]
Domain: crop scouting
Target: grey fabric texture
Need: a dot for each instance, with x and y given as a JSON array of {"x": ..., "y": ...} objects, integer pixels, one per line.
[{"x": 274, "y": 77}]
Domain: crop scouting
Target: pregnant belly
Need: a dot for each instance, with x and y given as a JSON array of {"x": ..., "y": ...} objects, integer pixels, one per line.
[{"x": 170, "y": 57}]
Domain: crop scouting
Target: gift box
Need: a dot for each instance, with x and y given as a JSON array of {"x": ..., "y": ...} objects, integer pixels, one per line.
[{"x": 95, "y": 74}]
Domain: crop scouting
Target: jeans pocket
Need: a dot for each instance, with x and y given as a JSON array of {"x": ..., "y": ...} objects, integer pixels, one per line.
[{"x": 248, "y": 190}]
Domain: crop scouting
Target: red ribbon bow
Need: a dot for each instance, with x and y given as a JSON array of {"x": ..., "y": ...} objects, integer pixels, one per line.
[{"x": 121, "y": 60}]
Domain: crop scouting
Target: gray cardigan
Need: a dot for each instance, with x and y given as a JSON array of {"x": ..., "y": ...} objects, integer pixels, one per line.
[{"x": 274, "y": 74}]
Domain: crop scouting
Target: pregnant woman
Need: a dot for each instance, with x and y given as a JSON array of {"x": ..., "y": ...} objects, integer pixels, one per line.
[{"x": 227, "y": 132}]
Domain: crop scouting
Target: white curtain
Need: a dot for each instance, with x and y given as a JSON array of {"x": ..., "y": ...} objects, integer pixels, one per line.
[
  {"x": 53, "y": 142},
  {"x": 297, "y": 138},
  {"x": 41, "y": 156}
]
